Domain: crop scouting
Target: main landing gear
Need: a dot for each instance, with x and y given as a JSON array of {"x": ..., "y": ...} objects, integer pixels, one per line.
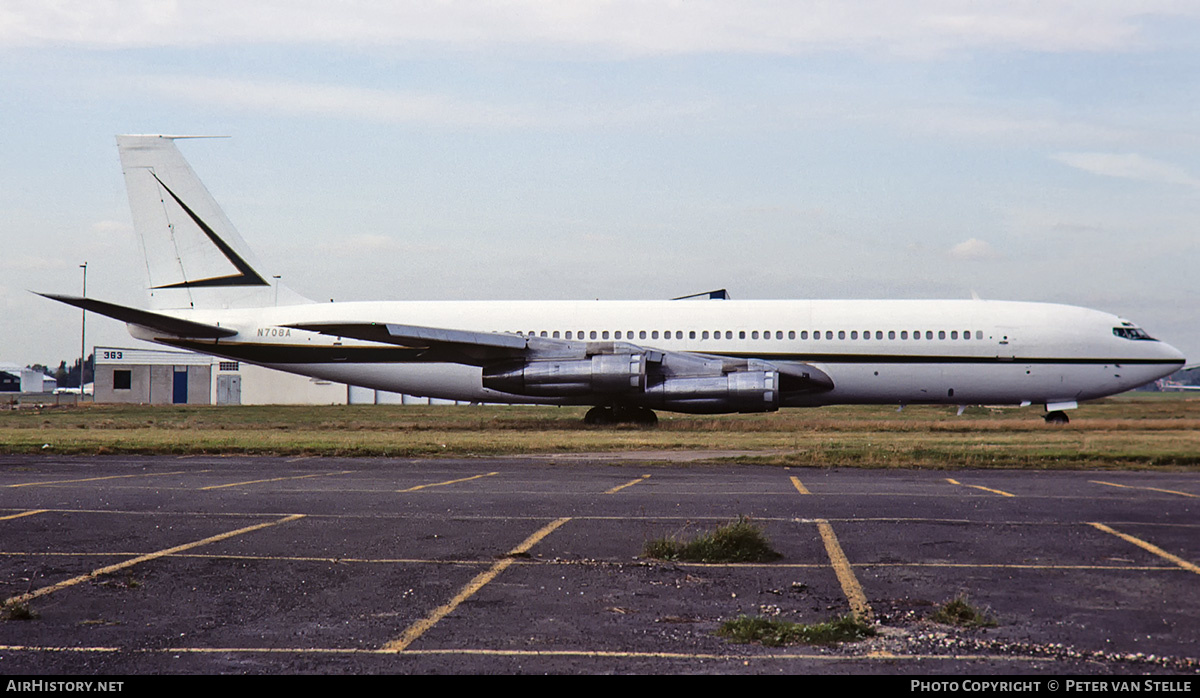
[
  {"x": 1056, "y": 417},
  {"x": 621, "y": 415}
]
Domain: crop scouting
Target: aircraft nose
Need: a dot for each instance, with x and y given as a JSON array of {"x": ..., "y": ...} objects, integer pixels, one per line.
[
  {"x": 1167, "y": 360},
  {"x": 1172, "y": 357},
  {"x": 1171, "y": 353}
]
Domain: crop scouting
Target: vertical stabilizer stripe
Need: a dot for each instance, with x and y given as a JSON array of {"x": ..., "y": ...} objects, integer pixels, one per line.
[{"x": 247, "y": 277}]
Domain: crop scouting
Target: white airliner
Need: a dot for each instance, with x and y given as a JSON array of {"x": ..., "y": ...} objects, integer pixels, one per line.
[{"x": 207, "y": 293}]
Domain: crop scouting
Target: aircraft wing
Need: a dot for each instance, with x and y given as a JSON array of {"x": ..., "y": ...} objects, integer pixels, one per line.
[
  {"x": 454, "y": 346},
  {"x": 543, "y": 366},
  {"x": 413, "y": 335}
]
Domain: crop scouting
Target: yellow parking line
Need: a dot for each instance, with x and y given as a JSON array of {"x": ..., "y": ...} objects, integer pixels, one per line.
[
  {"x": 448, "y": 482},
  {"x": 31, "y": 512},
  {"x": 1152, "y": 489},
  {"x": 95, "y": 479},
  {"x": 1148, "y": 546},
  {"x": 417, "y": 629},
  {"x": 618, "y": 488},
  {"x": 799, "y": 487},
  {"x": 1004, "y": 566},
  {"x": 744, "y": 658},
  {"x": 277, "y": 558},
  {"x": 533, "y": 654},
  {"x": 952, "y": 481},
  {"x": 22, "y": 598},
  {"x": 841, "y": 566},
  {"x": 274, "y": 479}
]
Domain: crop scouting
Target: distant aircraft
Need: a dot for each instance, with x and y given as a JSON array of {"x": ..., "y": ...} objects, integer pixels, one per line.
[
  {"x": 207, "y": 293},
  {"x": 1167, "y": 385}
]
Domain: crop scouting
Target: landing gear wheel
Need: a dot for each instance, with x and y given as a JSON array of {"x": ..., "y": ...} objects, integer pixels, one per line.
[
  {"x": 600, "y": 416},
  {"x": 636, "y": 415},
  {"x": 607, "y": 416},
  {"x": 646, "y": 417},
  {"x": 1056, "y": 417}
]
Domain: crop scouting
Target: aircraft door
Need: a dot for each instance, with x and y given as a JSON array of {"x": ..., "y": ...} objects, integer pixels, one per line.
[{"x": 1005, "y": 345}]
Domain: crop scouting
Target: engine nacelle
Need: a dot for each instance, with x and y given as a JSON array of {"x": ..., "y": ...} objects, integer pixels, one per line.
[
  {"x": 742, "y": 391},
  {"x": 610, "y": 374}
]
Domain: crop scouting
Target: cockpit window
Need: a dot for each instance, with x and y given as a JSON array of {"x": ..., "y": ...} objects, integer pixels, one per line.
[{"x": 1130, "y": 332}]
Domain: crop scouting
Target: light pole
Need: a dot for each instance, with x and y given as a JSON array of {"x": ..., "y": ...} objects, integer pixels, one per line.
[{"x": 83, "y": 334}]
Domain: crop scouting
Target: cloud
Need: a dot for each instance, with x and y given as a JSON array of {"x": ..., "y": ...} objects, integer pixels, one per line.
[
  {"x": 988, "y": 120},
  {"x": 973, "y": 250},
  {"x": 375, "y": 246},
  {"x": 112, "y": 228},
  {"x": 1128, "y": 166},
  {"x": 618, "y": 27},
  {"x": 17, "y": 260},
  {"x": 334, "y": 100},
  {"x": 402, "y": 106}
]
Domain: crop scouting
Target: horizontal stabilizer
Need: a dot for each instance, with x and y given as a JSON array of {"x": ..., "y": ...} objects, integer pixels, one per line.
[{"x": 155, "y": 321}]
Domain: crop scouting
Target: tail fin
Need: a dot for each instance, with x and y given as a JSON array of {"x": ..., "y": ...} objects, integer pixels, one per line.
[{"x": 195, "y": 258}]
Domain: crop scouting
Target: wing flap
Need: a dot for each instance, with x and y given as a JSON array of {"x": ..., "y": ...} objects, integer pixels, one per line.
[{"x": 431, "y": 336}]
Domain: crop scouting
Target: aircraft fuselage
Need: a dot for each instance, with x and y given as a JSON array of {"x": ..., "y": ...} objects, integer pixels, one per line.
[{"x": 875, "y": 351}]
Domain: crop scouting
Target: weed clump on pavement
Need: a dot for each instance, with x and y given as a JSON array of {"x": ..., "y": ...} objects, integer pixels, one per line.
[
  {"x": 960, "y": 612},
  {"x": 777, "y": 633},
  {"x": 736, "y": 541},
  {"x": 17, "y": 611}
]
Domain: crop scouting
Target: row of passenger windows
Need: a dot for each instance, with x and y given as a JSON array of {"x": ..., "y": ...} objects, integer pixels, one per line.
[{"x": 755, "y": 334}]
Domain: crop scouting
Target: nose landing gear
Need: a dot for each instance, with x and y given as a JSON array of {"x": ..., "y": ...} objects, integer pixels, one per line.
[{"x": 1056, "y": 417}]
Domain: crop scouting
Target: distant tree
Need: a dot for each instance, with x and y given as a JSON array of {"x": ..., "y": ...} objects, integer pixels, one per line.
[
  {"x": 72, "y": 376},
  {"x": 60, "y": 374}
]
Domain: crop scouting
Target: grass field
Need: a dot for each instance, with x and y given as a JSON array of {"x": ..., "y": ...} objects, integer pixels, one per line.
[{"x": 1136, "y": 430}]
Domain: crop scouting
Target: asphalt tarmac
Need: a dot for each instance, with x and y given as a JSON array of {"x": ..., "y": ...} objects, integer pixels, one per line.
[{"x": 140, "y": 565}]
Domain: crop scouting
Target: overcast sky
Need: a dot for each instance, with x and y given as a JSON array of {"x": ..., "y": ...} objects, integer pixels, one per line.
[{"x": 622, "y": 149}]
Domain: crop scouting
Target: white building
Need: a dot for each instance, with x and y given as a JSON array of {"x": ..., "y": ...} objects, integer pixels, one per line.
[
  {"x": 18, "y": 379},
  {"x": 150, "y": 376}
]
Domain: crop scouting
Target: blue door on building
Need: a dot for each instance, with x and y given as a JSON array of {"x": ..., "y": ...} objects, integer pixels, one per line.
[{"x": 179, "y": 395}]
